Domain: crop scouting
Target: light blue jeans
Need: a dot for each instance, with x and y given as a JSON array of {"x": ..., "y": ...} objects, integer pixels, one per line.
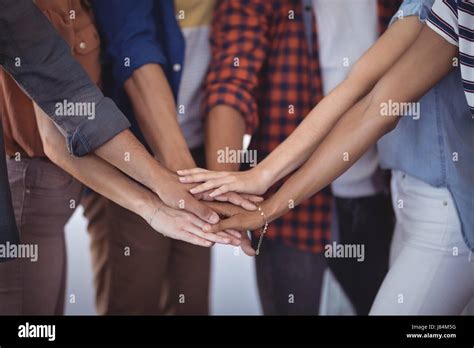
[{"x": 431, "y": 269}]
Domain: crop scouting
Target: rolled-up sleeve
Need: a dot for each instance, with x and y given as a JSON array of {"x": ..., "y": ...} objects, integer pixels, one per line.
[
  {"x": 40, "y": 61},
  {"x": 239, "y": 45},
  {"x": 131, "y": 34}
]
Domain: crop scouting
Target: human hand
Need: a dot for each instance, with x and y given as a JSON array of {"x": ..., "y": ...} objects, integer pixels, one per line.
[
  {"x": 181, "y": 225},
  {"x": 243, "y": 200},
  {"x": 251, "y": 181},
  {"x": 176, "y": 195},
  {"x": 229, "y": 210},
  {"x": 226, "y": 210},
  {"x": 242, "y": 221}
]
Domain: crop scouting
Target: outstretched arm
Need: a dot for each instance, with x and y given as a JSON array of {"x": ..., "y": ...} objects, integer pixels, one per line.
[
  {"x": 34, "y": 54},
  {"x": 113, "y": 184},
  {"x": 297, "y": 148},
  {"x": 425, "y": 63}
]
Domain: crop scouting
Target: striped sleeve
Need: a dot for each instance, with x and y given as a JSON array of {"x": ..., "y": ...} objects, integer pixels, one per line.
[{"x": 443, "y": 19}]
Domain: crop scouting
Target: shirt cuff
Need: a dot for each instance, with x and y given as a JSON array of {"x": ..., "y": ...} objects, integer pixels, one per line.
[
  {"x": 235, "y": 97},
  {"x": 92, "y": 133}
]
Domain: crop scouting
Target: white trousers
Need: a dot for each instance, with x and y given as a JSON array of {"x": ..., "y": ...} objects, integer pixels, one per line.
[{"x": 431, "y": 269}]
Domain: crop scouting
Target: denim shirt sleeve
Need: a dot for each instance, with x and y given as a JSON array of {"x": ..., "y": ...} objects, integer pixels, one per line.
[
  {"x": 419, "y": 8},
  {"x": 39, "y": 60},
  {"x": 131, "y": 35}
]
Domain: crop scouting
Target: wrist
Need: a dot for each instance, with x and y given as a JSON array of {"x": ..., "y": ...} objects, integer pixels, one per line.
[
  {"x": 158, "y": 179},
  {"x": 178, "y": 160},
  {"x": 272, "y": 209},
  {"x": 145, "y": 206},
  {"x": 263, "y": 177}
]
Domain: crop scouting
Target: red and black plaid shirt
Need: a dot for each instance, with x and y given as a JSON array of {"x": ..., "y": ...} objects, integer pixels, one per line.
[{"x": 262, "y": 67}]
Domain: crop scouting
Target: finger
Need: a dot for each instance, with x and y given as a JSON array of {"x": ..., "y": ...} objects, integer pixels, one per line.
[
  {"x": 252, "y": 198},
  {"x": 212, "y": 237},
  {"x": 237, "y": 200},
  {"x": 201, "y": 177},
  {"x": 230, "y": 223},
  {"x": 193, "y": 239},
  {"x": 246, "y": 245},
  {"x": 241, "y": 201},
  {"x": 200, "y": 210},
  {"x": 194, "y": 170},
  {"x": 211, "y": 184},
  {"x": 223, "y": 189},
  {"x": 205, "y": 196},
  {"x": 233, "y": 240},
  {"x": 195, "y": 220},
  {"x": 234, "y": 233}
]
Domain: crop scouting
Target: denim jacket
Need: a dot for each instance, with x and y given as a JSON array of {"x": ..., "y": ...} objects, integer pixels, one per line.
[{"x": 437, "y": 147}]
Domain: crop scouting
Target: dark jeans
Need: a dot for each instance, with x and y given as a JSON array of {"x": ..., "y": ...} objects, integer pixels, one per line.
[
  {"x": 368, "y": 221},
  {"x": 289, "y": 280},
  {"x": 8, "y": 229}
]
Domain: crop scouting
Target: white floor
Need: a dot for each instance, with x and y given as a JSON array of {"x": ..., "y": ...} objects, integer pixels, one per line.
[{"x": 233, "y": 285}]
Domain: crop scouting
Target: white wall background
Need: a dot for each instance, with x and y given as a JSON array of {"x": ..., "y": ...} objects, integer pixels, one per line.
[{"x": 233, "y": 284}]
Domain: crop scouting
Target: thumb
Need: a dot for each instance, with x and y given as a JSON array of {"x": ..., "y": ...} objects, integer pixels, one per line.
[
  {"x": 246, "y": 244},
  {"x": 201, "y": 210},
  {"x": 229, "y": 223}
]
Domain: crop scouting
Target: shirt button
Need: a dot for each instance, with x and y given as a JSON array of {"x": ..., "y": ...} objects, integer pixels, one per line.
[
  {"x": 177, "y": 67},
  {"x": 82, "y": 45}
]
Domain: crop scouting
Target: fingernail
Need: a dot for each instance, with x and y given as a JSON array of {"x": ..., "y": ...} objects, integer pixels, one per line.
[
  {"x": 179, "y": 171},
  {"x": 182, "y": 179},
  {"x": 251, "y": 206},
  {"x": 193, "y": 190},
  {"x": 209, "y": 244},
  {"x": 214, "y": 218},
  {"x": 206, "y": 228}
]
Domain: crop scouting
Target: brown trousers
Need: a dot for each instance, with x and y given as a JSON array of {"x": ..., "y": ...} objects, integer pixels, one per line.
[
  {"x": 44, "y": 198},
  {"x": 137, "y": 270}
]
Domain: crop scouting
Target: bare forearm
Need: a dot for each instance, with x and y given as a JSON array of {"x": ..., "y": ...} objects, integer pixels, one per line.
[
  {"x": 126, "y": 153},
  {"x": 297, "y": 148},
  {"x": 346, "y": 143},
  {"x": 225, "y": 128},
  {"x": 96, "y": 173},
  {"x": 420, "y": 68},
  {"x": 155, "y": 111}
]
